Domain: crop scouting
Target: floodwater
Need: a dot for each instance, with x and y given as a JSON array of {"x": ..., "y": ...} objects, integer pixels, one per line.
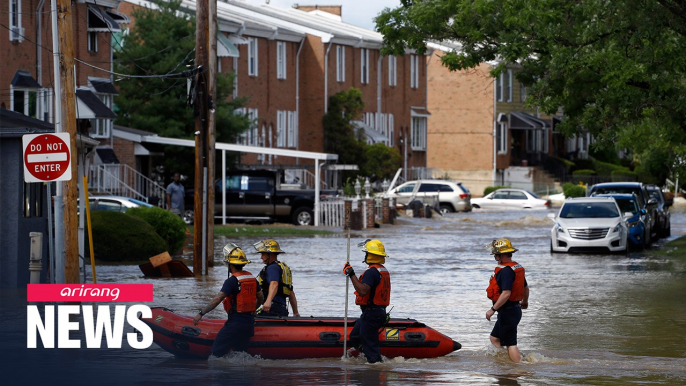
[{"x": 592, "y": 319}]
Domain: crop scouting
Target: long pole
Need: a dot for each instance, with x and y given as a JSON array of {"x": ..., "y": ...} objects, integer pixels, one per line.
[
  {"x": 89, "y": 229},
  {"x": 211, "y": 125},
  {"x": 347, "y": 288}
]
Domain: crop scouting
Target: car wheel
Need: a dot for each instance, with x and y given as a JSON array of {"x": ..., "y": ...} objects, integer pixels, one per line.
[
  {"x": 303, "y": 216},
  {"x": 188, "y": 217},
  {"x": 551, "y": 247},
  {"x": 475, "y": 206},
  {"x": 445, "y": 209},
  {"x": 647, "y": 239}
]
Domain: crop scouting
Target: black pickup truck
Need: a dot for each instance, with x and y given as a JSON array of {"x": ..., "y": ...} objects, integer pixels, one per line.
[{"x": 257, "y": 195}]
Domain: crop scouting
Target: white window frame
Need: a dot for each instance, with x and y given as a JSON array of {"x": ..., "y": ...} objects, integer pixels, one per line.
[
  {"x": 280, "y": 60},
  {"x": 414, "y": 71},
  {"x": 92, "y": 41},
  {"x": 101, "y": 128},
  {"x": 43, "y": 102},
  {"x": 364, "y": 65},
  {"x": 390, "y": 130},
  {"x": 418, "y": 133},
  {"x": 16, "y": 32},
  {"x": 499, "y": 87},
  {"x": 508, "y": 86},
  {"x": 253, "y": 131},
  {"x": 243, "y": 137},
  {"x": 340, "y": 63},
  {"x": 392, "y": 71},
  {"x": 292, "y": 138},
  {"x": 252, "y": 57},
  {"x": 235, "y": 78},
  {"x": 522, "y": 92},
  {"x": 281, "y": 119},
  {"x": 501, "y": 138}
]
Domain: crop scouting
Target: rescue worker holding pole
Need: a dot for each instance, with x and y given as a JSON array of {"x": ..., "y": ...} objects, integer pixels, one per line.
[
  {"x": 372, "y": 294},
  {"x": 509, "y": 292},
  {"x": 276, "y": 281},
  {"x": 241, "y": 295}
]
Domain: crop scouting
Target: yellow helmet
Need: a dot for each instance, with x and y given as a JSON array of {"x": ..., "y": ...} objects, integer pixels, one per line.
[
  {"x": 233, "y": 254},
  {"x": 501, "y": 246},
  {"x": 267, "y": 246},
  {"x": 376, "y": 253}
]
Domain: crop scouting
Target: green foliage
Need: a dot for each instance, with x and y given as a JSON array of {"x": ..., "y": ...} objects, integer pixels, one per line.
[
  {"x": 161, "y": 42},
  {"x": 381, "y": 161},
  {"x": 169, "y": 226},
  {"x": 571, "y": 190},
  {"x": 616, "y": 68},
  {"x": 584, "y": 172},
  {"x": 569, "y": 165},
  {"x": 583, "y": 164},
  {"x": 339, "y": 134},
  {"x": 606, "y": 169},
  {"x": 623, "y": 175},
  {"x": 490, "y": 189},
  {"x": 121, "y": 237}
]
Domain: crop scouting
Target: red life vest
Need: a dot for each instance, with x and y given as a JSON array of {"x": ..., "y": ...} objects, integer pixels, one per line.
[
  {"x": 246, "y": 298},
  {"x": 493, "y": 291},
  {"x": 382, "y": 292}
]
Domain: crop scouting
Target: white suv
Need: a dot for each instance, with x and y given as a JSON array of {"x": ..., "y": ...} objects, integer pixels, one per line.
[{"x": 452, "y": 196}]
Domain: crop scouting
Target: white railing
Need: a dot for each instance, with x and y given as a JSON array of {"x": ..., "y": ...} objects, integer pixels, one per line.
[
  {"x": 332, "y": 212},
  {"x": 303, "y": 176},
  {"x": 122, "y": 180}
]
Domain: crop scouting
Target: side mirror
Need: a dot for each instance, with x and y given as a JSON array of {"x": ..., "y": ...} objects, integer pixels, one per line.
[
  {"x": 643, "y": 211},
  {"x": 652, "y": 201},
  {"x": 628, "y": 215}
]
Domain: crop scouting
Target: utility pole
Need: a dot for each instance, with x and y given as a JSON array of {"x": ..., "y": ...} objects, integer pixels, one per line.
[
  {"x": 68, "y": 123},
  {"x": 211, "y": 127},
  {"x": 201, "y": 118}
]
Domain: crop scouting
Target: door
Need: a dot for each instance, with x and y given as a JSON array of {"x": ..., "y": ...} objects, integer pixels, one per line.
[
  {"x": 235, "y": 197},
  {"x": 404, "y": 192},
  {"x": 259, "y": 196},
  {"x": 516, "y": 199}
]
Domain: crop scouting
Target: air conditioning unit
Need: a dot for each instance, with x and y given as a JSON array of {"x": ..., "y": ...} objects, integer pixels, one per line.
[{"x": 17, "y": 34}]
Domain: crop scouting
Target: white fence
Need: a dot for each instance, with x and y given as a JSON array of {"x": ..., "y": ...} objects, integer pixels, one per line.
[{"x": 332, "y": 212}]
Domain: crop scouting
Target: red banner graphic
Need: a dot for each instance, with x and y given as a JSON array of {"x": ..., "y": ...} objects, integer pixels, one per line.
[{"x": 89, "y": 293}]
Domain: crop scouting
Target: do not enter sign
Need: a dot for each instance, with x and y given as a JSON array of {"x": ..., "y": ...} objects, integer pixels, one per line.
[{"x": 47, "y": 157}]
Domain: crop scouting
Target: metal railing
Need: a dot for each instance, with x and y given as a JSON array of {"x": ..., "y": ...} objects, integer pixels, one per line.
[
  {"x": 303, "y": 177},
  {"x": 122, "y": 180}
]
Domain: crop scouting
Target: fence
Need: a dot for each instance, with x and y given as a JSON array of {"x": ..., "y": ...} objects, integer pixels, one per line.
[{"x": 332, "y": 212}]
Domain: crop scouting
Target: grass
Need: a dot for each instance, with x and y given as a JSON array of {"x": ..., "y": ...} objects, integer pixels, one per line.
[
  {"x": 674, "y": 249},
  {"x": 246, "y": 230}
]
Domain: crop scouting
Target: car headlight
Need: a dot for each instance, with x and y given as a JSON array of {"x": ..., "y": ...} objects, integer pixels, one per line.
[
  {"x": 617, "y": 228},
  {"x": 633, "y": 224},
  {"x": 559, "y": 228}
]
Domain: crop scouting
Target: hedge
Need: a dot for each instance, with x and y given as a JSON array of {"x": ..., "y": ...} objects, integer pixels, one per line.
[
  {"x": 168, "y": 225},
  {"x": 624, "y": 175},
  {"x": 121, "y": 237},
  {"x": 571, "y": 190},
  {"x": 490, "y": 189}
]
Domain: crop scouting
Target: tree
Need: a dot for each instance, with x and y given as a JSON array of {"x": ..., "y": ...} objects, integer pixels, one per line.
[
  {"x": 615, "y": 68},
  {"x": 340, "y": 136},
  {"x": 381, "y": 161},
  {"x": 159, "y": 47}
]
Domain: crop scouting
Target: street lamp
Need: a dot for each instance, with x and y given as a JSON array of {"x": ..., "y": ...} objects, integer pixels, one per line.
[
  {"x": 384, "y": 185},
  {"x": 367, "y": 187},
  {"x": 357, "y": 189}
]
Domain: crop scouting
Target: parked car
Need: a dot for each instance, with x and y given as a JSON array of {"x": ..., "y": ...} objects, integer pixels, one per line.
[
  {"x": 115, "y": 203},
  {"x": 589, "y": 224},
  {"x": 511, "y": 199},
  {"x": 664, "y": 224},
  {"x": 452, "y": 196},
  {"x": 628, "y": 203},
  {"x": 644, "y": 200}
]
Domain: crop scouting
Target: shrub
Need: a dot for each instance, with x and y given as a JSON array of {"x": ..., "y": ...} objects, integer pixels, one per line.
[
  {"x": 606, "y": 169},
  {"x": 571, "y": 190},
  {"x": 490, "y": 189},
  {"x": 569, "y": 165},
  {"x": 169, "y": 226},
  {"x": 581, "y": 163},
  {"x": 583, "y": 175},
  {"x": 624, "y": 175},
  {"x": 121, "y": 237}
]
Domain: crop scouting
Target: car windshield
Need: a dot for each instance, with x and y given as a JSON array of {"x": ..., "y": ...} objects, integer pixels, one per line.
[
  {"x": 627, "y": 205},
  {"x": 589, "y": 210},
  {"x": 654, "y": 193},
  {"x": 620, "y": 190}
]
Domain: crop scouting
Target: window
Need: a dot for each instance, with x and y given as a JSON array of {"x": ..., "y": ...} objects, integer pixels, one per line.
[
  {"x": 16, "y": 31},
  {"x": 292, "y": 129},
  {"x": 390, "y": 130},
  {"x": 100, "y": 128},
  {"x": 280, "y": 60},
  {"x": 499, "y": 87},
  {"x": 35, "y": 103},
  {"x": 414, "y": 71},
  {"x": 501, "y": 138},
  {"x": 408, "y": 188},
  {"x": 364, "y": 76},
  {"x": 252, "y": 56},
  {"x": 522, "y": 92},
  {"x": 508, "y": 86},
  {"x": 253, "y": 136},
  {"x": 235, "y": 78},
  {"x": 92, "y": 41},
  {"x": 281, "y": 128},
  {"x": 392, "y": 69},
  {"x": 517, "y": 195},
  {"x": 418, "y": 133},
  {"x": 340, "y": 63}
]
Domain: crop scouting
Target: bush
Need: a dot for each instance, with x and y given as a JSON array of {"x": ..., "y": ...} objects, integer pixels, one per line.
[
  {"x": 624, "y": 175},
  {"x": 121, "y": 237},
  {"x": 169, "y": 226},
  {"x": 490, "y": 189},
  {"x": 606, "y": 169},
  {"x": 571, "y": 190},
  {"x": 583, "y": 175},
  {"x": 580, "y": 164}
]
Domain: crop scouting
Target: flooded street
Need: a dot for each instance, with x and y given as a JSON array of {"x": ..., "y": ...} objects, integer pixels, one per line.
[{"x": 592, "y": 319}]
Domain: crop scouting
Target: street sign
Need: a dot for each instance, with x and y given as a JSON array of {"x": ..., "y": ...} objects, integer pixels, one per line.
[{"x": 47, "y": 157}]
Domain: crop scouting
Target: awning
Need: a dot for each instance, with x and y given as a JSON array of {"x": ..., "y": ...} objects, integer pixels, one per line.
[
  {"x": 502, "y": 118},
  {"x": 226, "y": 49},
  {"x": 106, "y": 155},
  {"x": 524, "y": 121},
  {"x": 22, "y": 79},
  {"x": 371, "y": 135},
  {"x": 104, "y": 87},
  {"x": 419, "y": 112},
  {"x": 89, "y": 106},
  {"x": 120, "y": 18},
  {"x": 101, "y": 21}
]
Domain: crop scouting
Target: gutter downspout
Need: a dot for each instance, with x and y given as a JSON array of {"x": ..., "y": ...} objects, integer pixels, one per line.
[
  {"x": 39, "y": 29},
  {"x": 495, "y": 134},
  {"x": 297, "y": 96},
  {"x": 379, "y": 81},
  {"x": 326, "y": 76}
]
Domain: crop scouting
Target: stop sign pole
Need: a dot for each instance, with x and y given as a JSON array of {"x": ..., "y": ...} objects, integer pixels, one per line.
[{"x": 47, "y": 158}]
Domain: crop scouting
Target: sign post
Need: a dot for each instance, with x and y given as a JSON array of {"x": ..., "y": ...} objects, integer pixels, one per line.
[{"x": 47, "y": 159}]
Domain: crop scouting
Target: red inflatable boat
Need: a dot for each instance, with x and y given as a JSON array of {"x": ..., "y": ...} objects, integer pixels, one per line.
[{"x": 296, "y": 338}]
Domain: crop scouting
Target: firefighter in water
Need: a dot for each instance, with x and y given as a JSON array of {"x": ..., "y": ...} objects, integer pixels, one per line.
[
  {"x": 509, "y": 293},
  {"x": 372, "y": 294},
  {"x": 241, "y": 295},
  {"x": 276, "y": 281}
]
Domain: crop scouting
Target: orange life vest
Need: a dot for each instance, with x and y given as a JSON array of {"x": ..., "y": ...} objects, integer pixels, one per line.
[
  {"x": 246, "y": 298},
  {"x": 382, "y": 292},
  {"x": 493, "y": 291}
]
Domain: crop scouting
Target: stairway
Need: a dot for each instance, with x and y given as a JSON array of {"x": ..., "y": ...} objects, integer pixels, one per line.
[{"x": 123, "y": 180}]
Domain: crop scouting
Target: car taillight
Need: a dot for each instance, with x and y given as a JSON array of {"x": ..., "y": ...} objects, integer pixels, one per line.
[
  {"x": 463, "y": 196},
  {"x": 547, "y": 203}
]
